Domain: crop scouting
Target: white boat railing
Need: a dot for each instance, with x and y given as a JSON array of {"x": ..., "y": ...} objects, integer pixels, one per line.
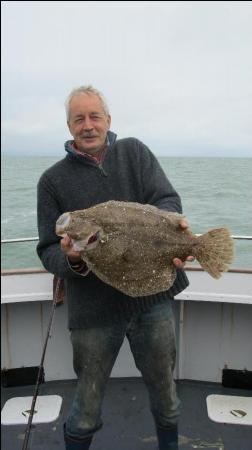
[{"x": 11, "y": 241}]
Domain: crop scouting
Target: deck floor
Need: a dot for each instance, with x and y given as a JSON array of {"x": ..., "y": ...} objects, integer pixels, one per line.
[{"x": 128, "y": 424}]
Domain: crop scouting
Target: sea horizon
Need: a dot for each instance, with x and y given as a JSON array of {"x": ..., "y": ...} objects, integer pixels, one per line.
[
  {"x": 214, "y": 192},
  {"x": 46, "y": 155}
]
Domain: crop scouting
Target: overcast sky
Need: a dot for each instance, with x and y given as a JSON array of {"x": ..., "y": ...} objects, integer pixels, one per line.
[{"x": 176, "y": 75}]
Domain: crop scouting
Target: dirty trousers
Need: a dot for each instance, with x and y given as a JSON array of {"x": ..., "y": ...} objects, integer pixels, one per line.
[{"x": 151, "y": 338}]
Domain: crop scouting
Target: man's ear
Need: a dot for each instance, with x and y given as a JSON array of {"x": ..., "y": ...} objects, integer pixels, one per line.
[
  {"x": 109, "y": 121},
  {"x": 68, "y": 124}
]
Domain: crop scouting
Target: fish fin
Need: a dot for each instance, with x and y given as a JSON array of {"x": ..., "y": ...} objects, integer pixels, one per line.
[{"x": 215, "y": 251}]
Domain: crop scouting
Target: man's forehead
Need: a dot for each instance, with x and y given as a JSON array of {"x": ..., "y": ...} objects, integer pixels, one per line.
[
  {"x": 86, "y": 99},
  {"x": 83, "y": 103}
]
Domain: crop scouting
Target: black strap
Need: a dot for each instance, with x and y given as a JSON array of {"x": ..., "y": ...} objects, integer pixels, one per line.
[{"x": 41, "y": 369}]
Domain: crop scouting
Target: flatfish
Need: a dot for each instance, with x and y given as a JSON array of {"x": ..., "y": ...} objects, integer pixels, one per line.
[{"x": 131, "y": 246}]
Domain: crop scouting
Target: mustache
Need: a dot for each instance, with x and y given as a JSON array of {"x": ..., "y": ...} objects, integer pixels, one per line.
[{"x": 87, "y": 135}]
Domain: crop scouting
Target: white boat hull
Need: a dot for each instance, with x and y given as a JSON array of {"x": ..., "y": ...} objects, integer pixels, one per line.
[{"x": 213, "y": 323}]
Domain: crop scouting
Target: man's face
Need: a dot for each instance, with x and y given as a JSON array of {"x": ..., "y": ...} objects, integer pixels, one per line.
[{"x": 88, "y": 123}]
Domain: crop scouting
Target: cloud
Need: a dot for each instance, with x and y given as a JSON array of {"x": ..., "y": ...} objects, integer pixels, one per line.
[{"x": 174, "y": 73}]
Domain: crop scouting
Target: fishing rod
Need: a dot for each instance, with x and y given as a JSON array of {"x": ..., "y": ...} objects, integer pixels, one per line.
[{"x": 57, "y": 300}]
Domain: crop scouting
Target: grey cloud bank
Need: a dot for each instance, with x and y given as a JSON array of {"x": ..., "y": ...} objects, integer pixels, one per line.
[{"x": 177, "y": 75}]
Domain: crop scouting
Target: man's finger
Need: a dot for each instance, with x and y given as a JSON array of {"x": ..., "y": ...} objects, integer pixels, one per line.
[
  {"x": 65, "y": 243},
  {"x": 190, "y": 258},
  {"x": 183, "y": 224},
  {"x": 178, "y": 263}
]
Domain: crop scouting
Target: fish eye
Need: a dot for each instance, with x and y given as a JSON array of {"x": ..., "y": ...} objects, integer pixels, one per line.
[{"x": 94, "y": 237}]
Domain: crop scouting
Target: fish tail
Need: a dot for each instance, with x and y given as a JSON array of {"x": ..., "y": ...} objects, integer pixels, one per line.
[{"x": 215, "y": 251}]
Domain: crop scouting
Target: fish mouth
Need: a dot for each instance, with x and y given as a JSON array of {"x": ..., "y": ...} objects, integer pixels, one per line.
[{"x": 62, "y": 223}]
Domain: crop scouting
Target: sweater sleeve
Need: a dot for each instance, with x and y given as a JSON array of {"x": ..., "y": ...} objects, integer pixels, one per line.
[
  {"x": 48, "y": 248},
  {"x": 157, "y": 189}
]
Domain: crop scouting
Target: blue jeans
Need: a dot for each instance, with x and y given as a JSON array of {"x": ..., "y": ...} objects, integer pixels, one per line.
[{"x": 151, "y": 337}]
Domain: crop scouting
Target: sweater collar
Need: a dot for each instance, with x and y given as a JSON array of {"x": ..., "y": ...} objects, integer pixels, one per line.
[{"x": 69, "y": 147}]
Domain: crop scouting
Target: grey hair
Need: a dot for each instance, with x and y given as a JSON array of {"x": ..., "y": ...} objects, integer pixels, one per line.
[{"x": 88, "y": 89}]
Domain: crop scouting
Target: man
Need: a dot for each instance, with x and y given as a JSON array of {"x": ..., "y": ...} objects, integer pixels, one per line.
[{"x": 98, "y": 168}]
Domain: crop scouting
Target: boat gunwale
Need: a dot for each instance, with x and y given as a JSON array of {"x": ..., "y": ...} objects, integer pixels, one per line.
[{"x": 37, "y": 270}]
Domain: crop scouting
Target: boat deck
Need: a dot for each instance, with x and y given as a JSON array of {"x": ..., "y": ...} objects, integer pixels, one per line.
[{"x": 128, "y": 424}]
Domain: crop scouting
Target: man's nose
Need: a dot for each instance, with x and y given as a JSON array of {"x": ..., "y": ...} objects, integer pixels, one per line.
[{"x": 88, "y": 125}]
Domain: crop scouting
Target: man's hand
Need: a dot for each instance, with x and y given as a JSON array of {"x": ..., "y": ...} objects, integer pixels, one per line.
[
  {"x": 176, "y": 261},
  {"x": 67, "y": 248}
]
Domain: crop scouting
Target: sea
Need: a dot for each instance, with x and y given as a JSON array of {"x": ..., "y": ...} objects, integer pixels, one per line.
[{"x": 215, "y": 192}]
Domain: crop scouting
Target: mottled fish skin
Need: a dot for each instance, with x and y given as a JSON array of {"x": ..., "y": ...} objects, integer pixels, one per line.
[{"x": 134, "y": 244}]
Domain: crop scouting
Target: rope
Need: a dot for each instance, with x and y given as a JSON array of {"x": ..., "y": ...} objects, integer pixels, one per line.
[{"x": 40, "y": 372}]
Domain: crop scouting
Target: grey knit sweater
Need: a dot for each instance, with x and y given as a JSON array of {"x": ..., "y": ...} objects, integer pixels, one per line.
[{"x": 129, "y": 172}]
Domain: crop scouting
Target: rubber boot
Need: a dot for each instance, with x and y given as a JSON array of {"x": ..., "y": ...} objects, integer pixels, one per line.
[
  {"x": 168, "y": 438},
  {"x": 73, "y": 443}
]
